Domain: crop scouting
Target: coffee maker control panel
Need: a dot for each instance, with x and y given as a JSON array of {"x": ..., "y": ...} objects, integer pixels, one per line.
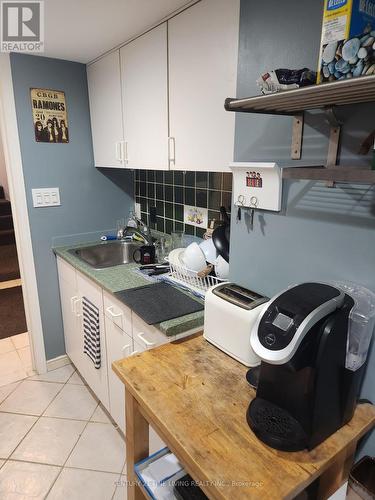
[{"x": 292, "y": 312}]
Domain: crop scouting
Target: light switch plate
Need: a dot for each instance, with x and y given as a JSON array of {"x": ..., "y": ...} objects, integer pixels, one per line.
[{"x": 46, "y": 197}]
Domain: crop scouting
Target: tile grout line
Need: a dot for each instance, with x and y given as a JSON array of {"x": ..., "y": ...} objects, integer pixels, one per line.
[
  {"x": 18, "y": 382},
  {"x": 62, "y": 467},
  {"x": 18, "y": 354},
  {"x": 71, "y": 451},
  {"x": 35, "y": 416},
  {"x": 37, "y": 420}
]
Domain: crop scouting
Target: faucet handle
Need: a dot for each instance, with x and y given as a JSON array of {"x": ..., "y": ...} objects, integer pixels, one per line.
[{"x": 120, "y": 225}]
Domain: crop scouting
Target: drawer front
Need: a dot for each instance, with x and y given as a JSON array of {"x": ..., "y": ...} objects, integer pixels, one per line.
[
  {"x": 66, "y": 272},
  {"x": 117, "y": 312},
  {"x": 147, "y": 336}
]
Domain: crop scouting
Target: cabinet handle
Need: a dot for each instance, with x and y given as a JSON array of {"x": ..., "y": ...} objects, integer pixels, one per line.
[
  {"x": 113, "y": 314},
  {"x": 145, "y": 341},
  {"x": 126, "y": 348},
  {"x": 116, "y": 315},
  {"x": 75, "y": 302},
  {"x": 124, "y": 146},
  {"x": 172, "y": 149},
  {"x": 72, "y": 304},
  {"x": 118, "y": 151}
]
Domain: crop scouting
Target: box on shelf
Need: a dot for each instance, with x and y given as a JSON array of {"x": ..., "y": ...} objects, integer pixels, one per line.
[
  {"x": 347, "y": 48},
  {"x": 157, "y": 474}
]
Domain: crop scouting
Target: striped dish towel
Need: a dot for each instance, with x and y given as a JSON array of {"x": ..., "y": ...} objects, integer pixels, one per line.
[{"x": 91, "y": 332}]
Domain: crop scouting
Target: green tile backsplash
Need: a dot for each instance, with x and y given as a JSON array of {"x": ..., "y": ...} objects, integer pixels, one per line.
[{"x": 170, "y": 191}]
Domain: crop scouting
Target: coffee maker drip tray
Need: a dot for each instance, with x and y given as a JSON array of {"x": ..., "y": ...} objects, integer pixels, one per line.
[{"x": 275, "y": 426}]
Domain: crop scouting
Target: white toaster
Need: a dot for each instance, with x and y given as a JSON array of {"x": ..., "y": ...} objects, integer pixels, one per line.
[{"x": 229, "y": 315}]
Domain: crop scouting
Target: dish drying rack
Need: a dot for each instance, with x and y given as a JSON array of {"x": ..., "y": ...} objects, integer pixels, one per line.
[{"x": 189, "y": 279}]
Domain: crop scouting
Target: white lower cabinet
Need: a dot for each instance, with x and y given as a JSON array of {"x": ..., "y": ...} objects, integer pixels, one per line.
[
  {"x": 122, "y": 334},
  {"x": 119, "y": 345}
]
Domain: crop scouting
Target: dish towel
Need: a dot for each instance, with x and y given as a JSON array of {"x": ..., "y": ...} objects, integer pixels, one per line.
[{"x": 91, "y": 332}]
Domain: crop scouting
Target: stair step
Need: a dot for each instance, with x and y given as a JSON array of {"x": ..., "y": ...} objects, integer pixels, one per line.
[
  {"x": 7, "y": 237},
  {"x": 6, "y": 222},
  {"x": 5, "y": 207},
  {"x": 2, "y": 194}
]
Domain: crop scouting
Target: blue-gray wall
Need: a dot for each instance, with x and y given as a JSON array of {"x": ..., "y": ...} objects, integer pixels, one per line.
[
  {"x": 90, "y": 201},
  {"x": 321, "y": 233}
]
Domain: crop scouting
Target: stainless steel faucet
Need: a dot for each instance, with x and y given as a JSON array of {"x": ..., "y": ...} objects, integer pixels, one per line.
[{"x": 142, "y": 231}]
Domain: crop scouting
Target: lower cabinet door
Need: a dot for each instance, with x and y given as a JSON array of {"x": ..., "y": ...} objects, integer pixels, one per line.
[
  {"x": 97, "y": 379},
  {"x": 69, "y": 307},
  {"x": 119, "y": 345}
]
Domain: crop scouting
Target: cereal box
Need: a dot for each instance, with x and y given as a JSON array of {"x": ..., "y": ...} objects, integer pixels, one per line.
[{"x": 347, "y": 48}]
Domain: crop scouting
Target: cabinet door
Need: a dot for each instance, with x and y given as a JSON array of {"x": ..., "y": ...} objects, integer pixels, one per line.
[
  {"x": 119, "y": 345},
  {"x": 69, "y": 307},
  {"x": 203, "y": 53},
  {"x": 104, "y": 82},
  {"x": 97, "y": 379},
  {"x": 145, "y": 100}
]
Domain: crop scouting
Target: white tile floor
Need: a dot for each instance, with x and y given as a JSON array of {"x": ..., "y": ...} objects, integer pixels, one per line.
[
  {"x": 56, "y": 441},
  {"x": 15, "y": 359}
]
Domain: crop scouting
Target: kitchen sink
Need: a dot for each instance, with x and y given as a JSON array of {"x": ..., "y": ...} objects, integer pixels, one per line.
[{"x": 107, "y": 254}]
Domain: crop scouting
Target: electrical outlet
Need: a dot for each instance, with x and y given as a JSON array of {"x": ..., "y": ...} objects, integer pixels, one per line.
[
  {"x": 137, "y": 209},
  {"x": 46, "y": 197}
]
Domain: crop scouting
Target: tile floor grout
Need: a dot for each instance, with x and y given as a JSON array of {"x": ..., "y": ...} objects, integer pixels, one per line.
[
  {"x": 120, "y": 475},
  {"x": 71, "y": 451},
  {"x": 36, "y": 416}
]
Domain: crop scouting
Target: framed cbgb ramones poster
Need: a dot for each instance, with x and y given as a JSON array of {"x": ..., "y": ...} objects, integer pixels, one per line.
[{"x": 49, "y": 116}]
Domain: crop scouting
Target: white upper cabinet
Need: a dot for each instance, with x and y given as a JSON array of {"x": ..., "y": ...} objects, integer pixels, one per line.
[
  {"x": 158, "y": 103},
  {"x": 144, "y": 76},
  {"x": 104, "y": 82},
  {"x": 203, "y": 53}
]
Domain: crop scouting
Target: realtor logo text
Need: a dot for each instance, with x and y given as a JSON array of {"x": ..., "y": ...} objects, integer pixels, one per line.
[{"x": 22, "y": 26}]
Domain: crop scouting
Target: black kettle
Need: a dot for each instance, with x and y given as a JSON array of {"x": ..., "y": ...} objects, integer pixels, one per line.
[{"x": 221, "y": 236}]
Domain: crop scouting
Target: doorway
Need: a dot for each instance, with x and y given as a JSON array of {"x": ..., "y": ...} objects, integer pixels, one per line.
[
  {"x": 15, "y": 353},
  {"x": 14, "y": 170}
]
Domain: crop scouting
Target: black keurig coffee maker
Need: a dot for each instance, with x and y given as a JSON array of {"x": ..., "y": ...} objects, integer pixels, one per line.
[{"x": 306, "y": 390}]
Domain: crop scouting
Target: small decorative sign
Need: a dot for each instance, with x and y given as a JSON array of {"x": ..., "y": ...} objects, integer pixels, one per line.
[
  {"x": 254, "y": 179},
  {"x": 49, "y": 116},
  {"x": 196, "y": 216}
]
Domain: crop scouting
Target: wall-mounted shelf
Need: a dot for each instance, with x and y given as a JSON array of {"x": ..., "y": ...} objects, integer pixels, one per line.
[
  {"x": 326, "y": 97},
  {"x": 292, "y": 102},
  {"x": 333, "y": 174}
]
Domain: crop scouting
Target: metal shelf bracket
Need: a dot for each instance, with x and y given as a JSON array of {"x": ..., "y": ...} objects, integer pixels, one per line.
[
  {"x": 297, "y": 136},
  {"x": 334, "y": 140}
]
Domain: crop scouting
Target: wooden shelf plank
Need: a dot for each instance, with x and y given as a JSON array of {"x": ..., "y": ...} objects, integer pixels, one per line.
[
  {"x": 335, "y": 174},
  {"x": 354, "y": 91}
]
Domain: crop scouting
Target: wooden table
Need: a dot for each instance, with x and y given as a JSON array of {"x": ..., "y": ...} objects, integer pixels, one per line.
[{"x": 196, "y": 397}]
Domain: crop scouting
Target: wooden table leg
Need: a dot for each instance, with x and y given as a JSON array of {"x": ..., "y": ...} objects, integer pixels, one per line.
[
  {"x": 137, "y": 439},
  {"x": 336, "y": 475}
]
